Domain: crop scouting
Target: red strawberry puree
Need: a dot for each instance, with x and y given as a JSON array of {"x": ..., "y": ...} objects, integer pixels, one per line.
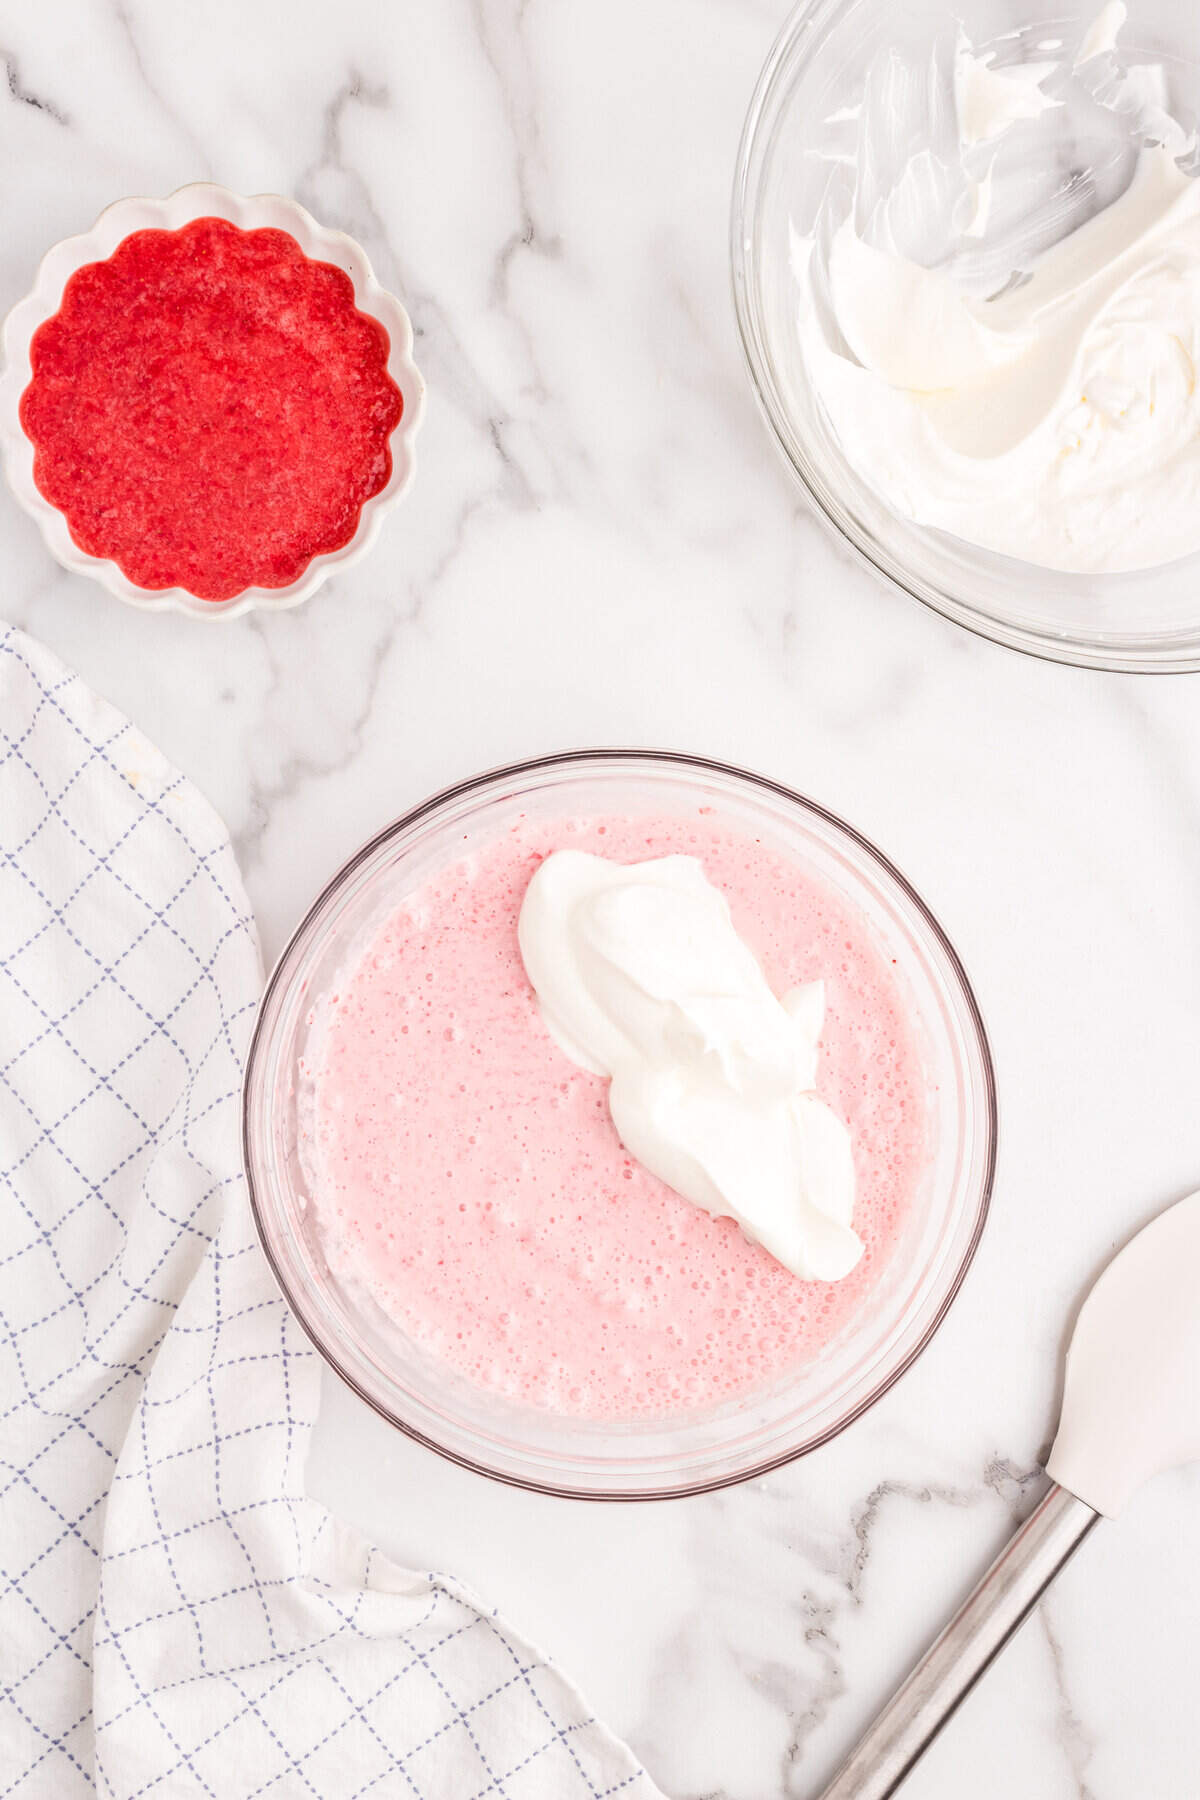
[
  {"x": 210, "y": 409},
  {"x": 467, "y": 1173}
]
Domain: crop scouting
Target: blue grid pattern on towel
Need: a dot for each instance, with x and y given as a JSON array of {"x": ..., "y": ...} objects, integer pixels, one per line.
[{"x": 176, "y": 1617}]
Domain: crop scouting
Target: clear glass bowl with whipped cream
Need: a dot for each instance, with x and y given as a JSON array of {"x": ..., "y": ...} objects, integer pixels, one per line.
[
  {"x": 408, "y": 968},
  {"x": 966, "y": 263}
]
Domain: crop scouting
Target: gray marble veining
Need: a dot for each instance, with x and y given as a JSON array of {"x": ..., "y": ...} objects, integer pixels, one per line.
[{"x": 601, "y": 546}]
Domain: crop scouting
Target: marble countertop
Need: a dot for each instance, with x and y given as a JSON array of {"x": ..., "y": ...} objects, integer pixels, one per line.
[{"x": 602, "y": 547}]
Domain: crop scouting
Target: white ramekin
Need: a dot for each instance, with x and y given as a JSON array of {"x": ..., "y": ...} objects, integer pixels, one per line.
[{"x": 202, "y": 200}]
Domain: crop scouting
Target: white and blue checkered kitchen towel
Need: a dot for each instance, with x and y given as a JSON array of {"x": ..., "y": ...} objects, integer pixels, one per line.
[{"x": 177, "y": 1617}]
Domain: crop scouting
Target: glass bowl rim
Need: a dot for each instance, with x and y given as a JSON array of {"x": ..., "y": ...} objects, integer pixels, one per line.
[
  {"x": 1174, "y": 653},
  {"x": 666, "y": 760}
]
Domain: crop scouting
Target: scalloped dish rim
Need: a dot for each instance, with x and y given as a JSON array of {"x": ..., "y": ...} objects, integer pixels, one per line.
[{"x": 200, "y": 200}]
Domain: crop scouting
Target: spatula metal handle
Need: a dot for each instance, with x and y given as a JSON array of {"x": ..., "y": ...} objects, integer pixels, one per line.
[{"x": 953, "y": 1664}]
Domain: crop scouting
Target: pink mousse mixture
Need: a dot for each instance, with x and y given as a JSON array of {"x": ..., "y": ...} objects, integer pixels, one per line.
[{"x": 468, "y": 1175}]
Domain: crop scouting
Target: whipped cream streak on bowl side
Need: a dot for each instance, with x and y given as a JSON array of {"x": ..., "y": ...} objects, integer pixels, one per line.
[
  {"x": 202, "y": 200},
  {"x": 966, "y": 265}
]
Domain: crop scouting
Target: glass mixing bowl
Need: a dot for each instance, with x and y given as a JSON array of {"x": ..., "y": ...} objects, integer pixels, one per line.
[
  {"x": 691, "y": 1451},
  {"x": 1143, "y": 621}
]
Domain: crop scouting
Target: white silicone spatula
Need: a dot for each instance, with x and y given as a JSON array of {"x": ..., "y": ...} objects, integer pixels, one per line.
[{"x": 1131, "y": 1407}]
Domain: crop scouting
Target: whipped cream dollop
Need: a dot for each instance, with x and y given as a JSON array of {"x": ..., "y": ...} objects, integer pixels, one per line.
[
  {"x": 641, "y": 976},
  {"x": 1037, "y": 396}
]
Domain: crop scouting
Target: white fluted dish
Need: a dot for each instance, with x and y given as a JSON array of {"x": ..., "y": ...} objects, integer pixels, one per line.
[{"x": 203, "y": 200}]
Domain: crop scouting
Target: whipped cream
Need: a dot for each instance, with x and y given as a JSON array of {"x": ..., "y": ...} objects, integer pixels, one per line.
[
  {"x": 1100, "y": 38},
  {"x": 1054, "y": 415},
  {"x": 990, "y": 100},
  {"x": 640, "y": 976}
]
